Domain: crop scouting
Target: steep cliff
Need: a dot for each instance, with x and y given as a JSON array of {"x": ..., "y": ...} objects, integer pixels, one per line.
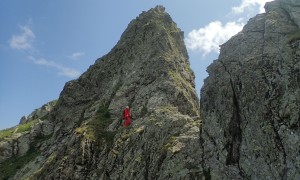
[
  {"x": 250, "y": 103},
  {"x": 148, "y": 70},
  {"x": 250, "y": 109}
]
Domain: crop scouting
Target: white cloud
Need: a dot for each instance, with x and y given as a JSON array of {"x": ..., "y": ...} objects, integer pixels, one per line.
[
  {"x": 76, "y": 55},
  {"x": 63, "y": 71},
  {"x": 248, "y": 4},
  {"x": 24, "y": 40},
  {"x": 209, "y": 38}
]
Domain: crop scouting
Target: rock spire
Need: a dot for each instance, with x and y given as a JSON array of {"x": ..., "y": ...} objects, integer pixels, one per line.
[{"x": 148, "y": 70}]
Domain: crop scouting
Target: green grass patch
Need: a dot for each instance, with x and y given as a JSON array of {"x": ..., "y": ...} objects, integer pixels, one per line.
[
  {"x": 17, "y": 129},
  {"x": 9, "y": 167},
  {"x": 6, "y": 132},
  {"x": 26, "y": 126}
]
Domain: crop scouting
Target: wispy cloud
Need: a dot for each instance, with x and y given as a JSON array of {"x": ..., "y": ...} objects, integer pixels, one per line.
[
  {"x": 250, "y": 5},
  {"x": 62, "y": 70},
  {"x": 209, "y": 38},
  {"x": 24, "y": 40},
  {"x": 76, "y": 55}
]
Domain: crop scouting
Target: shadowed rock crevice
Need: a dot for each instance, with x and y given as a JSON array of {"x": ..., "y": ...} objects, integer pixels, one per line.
[{"x": 234, "y": 132}]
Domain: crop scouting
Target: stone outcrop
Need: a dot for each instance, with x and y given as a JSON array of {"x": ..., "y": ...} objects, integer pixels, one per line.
[
  {"x": 292, "y": 8},
  {"x": 39, "y": 113},
  {"x": 19, "y": 141},
  {"x": 250, "y": 101},
  {"x": 16, "y": 141}
]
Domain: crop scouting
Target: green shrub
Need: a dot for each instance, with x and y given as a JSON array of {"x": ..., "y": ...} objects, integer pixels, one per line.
[
  {"x": 99, "y": 124},
  {"x": 95, "y": 130}
]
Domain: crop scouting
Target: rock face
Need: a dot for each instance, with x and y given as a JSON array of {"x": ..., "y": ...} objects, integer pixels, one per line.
[
  {"x": 39, "y": 113},
  {"x": 250, "y": 110},
  {"x": 250, "y": 103},
  {"x": 148, "y": 70},
  {"x": 292, "y": 7},
  {"x": 16, "y": 141}
]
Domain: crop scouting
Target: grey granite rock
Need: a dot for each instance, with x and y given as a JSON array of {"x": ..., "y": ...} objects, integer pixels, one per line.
[
  {"x": 148, "y": 70},
  {"x": 250, "y": 101},
  {"x": 249, "y": 124}
]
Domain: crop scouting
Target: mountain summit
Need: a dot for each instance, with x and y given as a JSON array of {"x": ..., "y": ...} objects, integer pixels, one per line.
[{"x": 83, "y": 137}]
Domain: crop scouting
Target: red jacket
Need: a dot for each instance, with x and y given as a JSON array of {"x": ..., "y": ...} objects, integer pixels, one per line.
[{"x": 126, "y": 113}]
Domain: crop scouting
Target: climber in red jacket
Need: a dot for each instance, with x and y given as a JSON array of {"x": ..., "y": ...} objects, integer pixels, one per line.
[{"x": 127, "y": 116}]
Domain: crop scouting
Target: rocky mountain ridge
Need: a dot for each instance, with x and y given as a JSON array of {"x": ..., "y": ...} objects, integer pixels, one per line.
[
  {"x": 148, "y": 69},
  {"x": 16, "y": 141},
  {"x": 249, "y": 107}
]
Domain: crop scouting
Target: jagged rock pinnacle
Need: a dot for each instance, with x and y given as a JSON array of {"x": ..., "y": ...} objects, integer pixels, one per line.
[{"x": 148, "y": 69}]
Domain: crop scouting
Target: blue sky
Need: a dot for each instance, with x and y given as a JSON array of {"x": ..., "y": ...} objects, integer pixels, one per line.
[{"x": 44, "y": 44}]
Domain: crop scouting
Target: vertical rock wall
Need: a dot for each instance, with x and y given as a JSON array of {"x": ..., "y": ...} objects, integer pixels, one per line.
[{"x": 250, "y": 103}]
